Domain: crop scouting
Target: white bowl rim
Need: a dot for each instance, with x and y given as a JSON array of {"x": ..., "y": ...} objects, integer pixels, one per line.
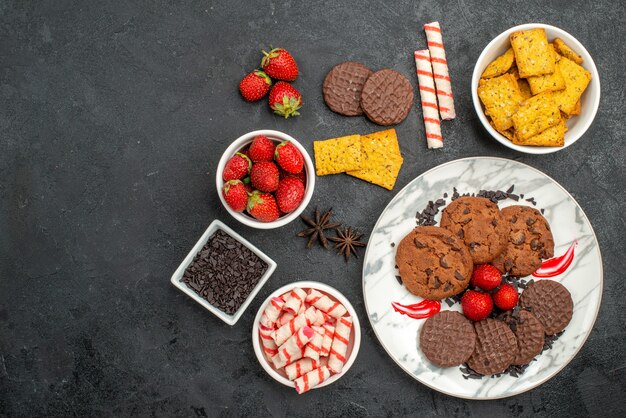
[
  {"x": 307, "y": 284},
  {"x": 176, "y": 279},
  {"x": 589, "y": 65},
  {"x": 308, "y": 191}
]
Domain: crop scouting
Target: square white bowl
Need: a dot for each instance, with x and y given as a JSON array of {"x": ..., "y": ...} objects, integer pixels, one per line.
[
  {"x": 178, "y": 274},
  {"x": 589, "y": 101}
]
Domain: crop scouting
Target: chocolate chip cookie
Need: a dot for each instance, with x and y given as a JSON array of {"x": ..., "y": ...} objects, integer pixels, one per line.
[
  {"x": 447, "y": 339},
  {"x": 433, "y": 263},
  {"x": 551, "y": 303},
  {"x": 495, "y": 349},
  {"x": 479, "y": 223},
  {"x": 343, "y": 86},
  {"x": 529, "y": 241}
]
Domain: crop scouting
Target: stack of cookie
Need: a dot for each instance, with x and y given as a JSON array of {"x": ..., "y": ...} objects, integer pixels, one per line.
[
  {"x": 352, "y": 89},
  {"x": 437, "y": 262}
]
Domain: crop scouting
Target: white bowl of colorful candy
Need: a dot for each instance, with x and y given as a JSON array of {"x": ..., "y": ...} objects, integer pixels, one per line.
[{"x": 306, "y": 335}]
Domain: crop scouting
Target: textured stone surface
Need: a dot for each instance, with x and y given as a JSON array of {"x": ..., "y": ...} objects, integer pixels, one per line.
[{"x": 113, "y": 117}]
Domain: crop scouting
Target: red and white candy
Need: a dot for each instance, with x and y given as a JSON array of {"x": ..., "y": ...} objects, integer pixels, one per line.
[
  {"x": 306, "y": 335},
  {"x": 325, "y": 304},
  {"x": 307, "y": 318},
  {"x": 300, "y": 367},
  {"x": 314, "y": 347},
  {"x": 267, "y": 341},
  {"x": 293, "y": 348},
  {"x": 428, "y": 96},
  {"x": 329, "y": 333},
  {"x": 440, "y": 70},
  {"x": 270, "y": 314},
  {"x": 311, "y": 379},
  {"x": 294, "y": 301},
  {"x": 339, "y": 348}
]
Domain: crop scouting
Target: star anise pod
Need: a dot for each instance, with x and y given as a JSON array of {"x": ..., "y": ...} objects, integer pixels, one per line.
[
  {"x": 318, "y": 225},
  {"x": 347, "y": 242}
]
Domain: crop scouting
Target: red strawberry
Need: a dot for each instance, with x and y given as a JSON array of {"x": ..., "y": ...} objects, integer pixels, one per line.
[
  {"x": 248, "y": 185},
  {"x": 476, "y": 305},
  {"x": 237, "y": 167},
  {"x": 285, "y": 99},
  {"x": 262, "y": 149},
  {"x": 279, "y": 64},
  {"x": 255, "y": 86},
  {"x": 289, "y": 157},
  {"x": 264, "y": 176},
  {"x": 486, "y": 276},
  {"x": 506, "y": 297},
  {"x": 235, "y": 195},
  {"x": 263, "y": 206},
  {"x": 289, "y": 194},
  {"x": 301, "y": 175}
]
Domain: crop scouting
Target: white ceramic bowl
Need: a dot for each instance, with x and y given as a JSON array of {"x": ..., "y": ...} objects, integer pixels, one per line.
[
  {"x": 178, "y": 274},
  {"x": 240, "y": 143},
  {"x": 355, "y": 334},
  {"x": 590, "y": 100}
]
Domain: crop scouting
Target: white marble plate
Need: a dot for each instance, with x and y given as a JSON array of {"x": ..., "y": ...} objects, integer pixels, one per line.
[{"x": 398, "y": 333}]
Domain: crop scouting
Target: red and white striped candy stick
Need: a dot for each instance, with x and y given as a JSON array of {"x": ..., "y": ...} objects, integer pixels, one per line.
[
  {"x": 284, "y": 318},
  {"x": 293, "y": 348},
  {"x": 441, "y": 73},
  {"x": 432, "y": 124},
  {"x": 308, "y": 318},
  {"x": 325, "y": 304},
  {"x": 314, "y": 347},
  {"x": 300, "y": 367},
  {"x": 270, "y": 314},
  {"x": 267, "y": 342},
  {"x": 338, "y": 350},
  {"x": 311, "y": 379},
  {"x": 294, "y": 300},
  {"x": 329, "y": 333}
]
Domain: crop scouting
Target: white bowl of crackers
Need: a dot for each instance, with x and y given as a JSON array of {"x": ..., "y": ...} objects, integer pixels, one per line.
[
  {"x": 306, "y": 335},
  {"x": 535, "y": 88}
]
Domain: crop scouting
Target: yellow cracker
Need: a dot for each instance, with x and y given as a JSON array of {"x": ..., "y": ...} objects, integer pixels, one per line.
[
  {"x": 576, "y": 110},
  {"x": 532, "y": 53},
  {"x": 536, "y": 115},
  {"x": 508, "y": 134},
  {"x": 551, "y": 137},
  {"x": 500, "y": 65},
  {"x": 377, "y": 146},
  {"x": 337, "y": 155},
  {"x": 384, "y": 175},
  {"x": 549, "y": 82},
  {"x": 501, "y": 97},
  {"x": 562, "y": 48},
  {"x": 576, "y": 81},
  {"x": 524, "y": 88}
]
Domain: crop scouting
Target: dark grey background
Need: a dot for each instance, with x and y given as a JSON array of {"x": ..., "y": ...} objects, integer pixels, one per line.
[{"x": 113, "y": 116}]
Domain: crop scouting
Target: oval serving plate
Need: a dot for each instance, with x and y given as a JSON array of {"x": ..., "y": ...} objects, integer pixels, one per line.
[{"x": 398, "y": 333}]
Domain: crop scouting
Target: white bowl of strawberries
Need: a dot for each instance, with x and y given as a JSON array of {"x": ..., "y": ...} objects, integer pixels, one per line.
[{"x": 265, "y": 179}]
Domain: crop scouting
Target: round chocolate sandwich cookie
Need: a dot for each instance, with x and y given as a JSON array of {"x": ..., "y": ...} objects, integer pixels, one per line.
[
  {"x": 479, "y": 223},
  {"x": 495, "y": 348},
  {"x": 447, "y": 339},
  {"x": 529, "y": 333},
  {"x": 343, "y": 86},
  {"x": 387, "y": 97},
  {"x": 529, "y": 241},
  {"x": 433, "y": 263},
  {"x": 551, "y": 303}
]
